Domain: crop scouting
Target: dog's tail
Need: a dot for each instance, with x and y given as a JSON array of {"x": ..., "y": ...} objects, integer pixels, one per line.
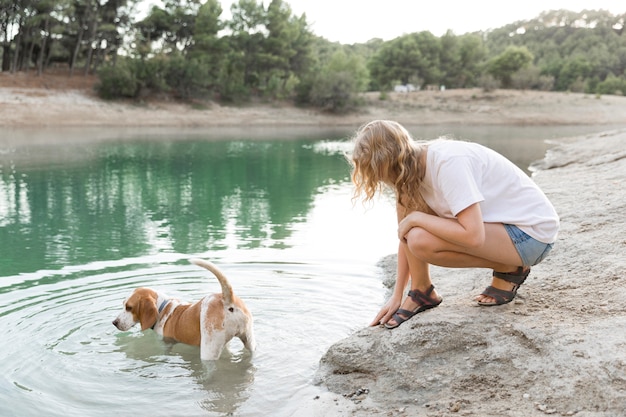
[{"x": 227, "y": 290}]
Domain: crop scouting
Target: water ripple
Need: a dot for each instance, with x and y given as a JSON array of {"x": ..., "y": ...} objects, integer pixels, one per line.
[{"x": 62, "y": 355}]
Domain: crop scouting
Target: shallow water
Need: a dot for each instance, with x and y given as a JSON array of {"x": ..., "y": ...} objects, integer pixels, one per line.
[{"x": 82, "y": 224}]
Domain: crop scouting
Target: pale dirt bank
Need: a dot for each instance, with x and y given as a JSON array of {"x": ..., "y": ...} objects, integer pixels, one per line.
[
  {"x": 559, "y": 349},
  {"x": 56, "y": 100},
  {"x": 39, "y": 108}
]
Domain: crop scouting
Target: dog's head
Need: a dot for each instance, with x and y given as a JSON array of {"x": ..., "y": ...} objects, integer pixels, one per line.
[{"x": 139, "y": 307}]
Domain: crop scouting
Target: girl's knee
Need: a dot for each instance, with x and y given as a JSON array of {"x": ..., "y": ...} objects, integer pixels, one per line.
[{"x": 420, "y": 242}]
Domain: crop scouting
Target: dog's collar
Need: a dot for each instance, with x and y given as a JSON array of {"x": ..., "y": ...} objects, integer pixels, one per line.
[
  {"x": 160, "y": 309},
  {"x": 163, "y": 304}
]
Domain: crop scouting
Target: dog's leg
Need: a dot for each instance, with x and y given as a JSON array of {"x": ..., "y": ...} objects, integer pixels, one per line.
[
  {"x": 248, "y": 339},
  {"x": 212, "y": 345},
  {"x": 212, "y": 339}
]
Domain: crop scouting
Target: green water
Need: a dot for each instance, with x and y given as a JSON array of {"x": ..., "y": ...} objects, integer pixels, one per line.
[
  {"x": 118, "y": 200},
  {"x": 84, "y": 221}
]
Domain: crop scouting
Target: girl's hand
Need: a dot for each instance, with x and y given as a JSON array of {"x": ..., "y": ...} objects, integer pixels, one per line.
[
  {"x": 410, "y": 221},
  {"x": 387, "y": 311}
]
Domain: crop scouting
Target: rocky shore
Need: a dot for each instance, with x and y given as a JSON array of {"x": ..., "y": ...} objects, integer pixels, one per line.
[{"x": 557, "y": 350}]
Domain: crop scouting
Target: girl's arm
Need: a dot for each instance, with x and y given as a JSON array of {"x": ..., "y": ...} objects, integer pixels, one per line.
[
  {"x": 394, "y": 302},
  {"x": 467, "y": 230},
  {"x": 403, "y": 273},
  {"x": 402, "y": 279}
]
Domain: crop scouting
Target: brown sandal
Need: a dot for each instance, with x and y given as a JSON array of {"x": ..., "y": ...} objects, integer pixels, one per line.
[
  {"x": 502, "y": 296},
  {"x": 424, "y": 302}
]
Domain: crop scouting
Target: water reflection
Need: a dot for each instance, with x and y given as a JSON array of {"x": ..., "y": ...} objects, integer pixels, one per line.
[
  {"x": 126, "y": 200},
  {"x": 225, "y": 383}
]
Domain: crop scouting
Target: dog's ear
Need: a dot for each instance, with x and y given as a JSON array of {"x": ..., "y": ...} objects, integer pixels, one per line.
[{"x": 147, "y": 313}]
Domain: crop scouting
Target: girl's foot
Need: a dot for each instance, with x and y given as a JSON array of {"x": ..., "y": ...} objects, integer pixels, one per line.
[
  {"x": 503, "y": 288},
  {"x": 416, "y": 302}
]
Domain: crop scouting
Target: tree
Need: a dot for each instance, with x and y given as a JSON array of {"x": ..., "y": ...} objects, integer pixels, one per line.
[
  {"x": 530, "y": 77},
  {"x": 207, "y": 47},
  {"x": 573, "y": 70},
  {"x": 460, "y": 59},
  {"x": 151, "y": 29},
  {"x": 574, "y": 48},
  {"x": 396, "y": 61},
  {"x": 173, "y": 25},
  {"x": 116, "y": 20},
  {"x": 242, "y": 69},
  {"x": 286, "y": 50},
  {"x": 509, "y": 62},
  {"x": 267, "y": 51},
  {"x": 81, "y": 28},
  {"x": 336, "y": 85},
  {"x": 8, "y": 16},
  {"x": 473, "y": 54},
  {"x": 413, "y": 58},
  {"x": 612, "y": 85},
  {"x": 277, "y": 47}
]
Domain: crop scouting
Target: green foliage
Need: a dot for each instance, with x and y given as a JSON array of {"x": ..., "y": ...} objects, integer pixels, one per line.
[
  {"x": 530, "y": 78},
  {"x": 117, "y": 82},
  {"x": 187, "y": 77},
  {"x": 334, "y": 92},
  {"x": 460, "y": 60},
  {"x": 337, "y": 83},
  {"x": 512, "y": 60},
  {"x": 578, "y": 50},
  {"x": 406, "y": 60},
  {"x": 472, "y": 51},
  {"x": 612, "y": 85},
  {"x": 151, "y": 74},
  {"x": 185, "y": 48},
  {"x": 571, "y": 72},
  {"x": 422, "y": 59},
  {"x": 487, "y": 82}
]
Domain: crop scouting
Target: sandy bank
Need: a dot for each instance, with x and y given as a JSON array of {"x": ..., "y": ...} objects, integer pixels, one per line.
[{"x": 50, "y": 107}]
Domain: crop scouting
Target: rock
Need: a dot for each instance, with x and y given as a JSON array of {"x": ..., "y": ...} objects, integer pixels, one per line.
[{"x": 557, "y": 347}]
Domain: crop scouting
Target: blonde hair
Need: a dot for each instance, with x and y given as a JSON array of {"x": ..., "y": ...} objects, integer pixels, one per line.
[{"x": 385, "y": 154}]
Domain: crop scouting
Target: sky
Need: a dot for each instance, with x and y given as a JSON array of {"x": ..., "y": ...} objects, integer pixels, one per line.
[{"x": 357, "y": 21}]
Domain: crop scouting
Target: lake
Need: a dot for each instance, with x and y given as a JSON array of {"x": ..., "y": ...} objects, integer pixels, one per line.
[{"x": 87, "y": 215}]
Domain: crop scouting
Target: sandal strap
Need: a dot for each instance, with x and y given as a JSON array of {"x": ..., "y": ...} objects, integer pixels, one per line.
[
  {"x": 423, "y": 298},
  {"x": 406, "y": 314},
  {"x": 518, "y": 277},
  {"x": 501, "y": 296}
]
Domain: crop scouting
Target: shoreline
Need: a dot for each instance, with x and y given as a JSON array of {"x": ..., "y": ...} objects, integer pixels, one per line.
[{"x": 41, "y": 107}]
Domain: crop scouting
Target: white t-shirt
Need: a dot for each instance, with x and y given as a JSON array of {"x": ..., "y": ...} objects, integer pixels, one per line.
[{"x": 459, "y": 174}]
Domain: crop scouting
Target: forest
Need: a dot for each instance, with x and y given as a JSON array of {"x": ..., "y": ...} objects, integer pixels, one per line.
[{"x": 186, "y": 50}]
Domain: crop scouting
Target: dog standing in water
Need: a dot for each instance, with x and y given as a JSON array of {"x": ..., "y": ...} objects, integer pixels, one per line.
[{"x": 209, "y": 323}]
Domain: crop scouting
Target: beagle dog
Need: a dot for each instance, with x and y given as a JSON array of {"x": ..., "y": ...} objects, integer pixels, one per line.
[{"x": 209, "y": 323}]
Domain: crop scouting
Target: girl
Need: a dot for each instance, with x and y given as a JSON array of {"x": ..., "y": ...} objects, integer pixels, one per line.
[{"x": 459, "y": 205}]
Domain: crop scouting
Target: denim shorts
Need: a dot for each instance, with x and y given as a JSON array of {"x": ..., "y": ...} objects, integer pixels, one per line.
[{"x": 530, "y": 250}]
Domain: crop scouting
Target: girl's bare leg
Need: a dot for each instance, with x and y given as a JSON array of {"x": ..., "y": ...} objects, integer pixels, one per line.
[
  {"x": 419, "y": 272},
  {"x": 497, "y": 253}
]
